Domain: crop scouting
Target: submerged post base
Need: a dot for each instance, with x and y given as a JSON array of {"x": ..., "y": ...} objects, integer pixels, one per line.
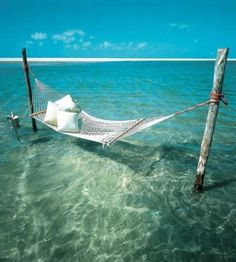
[{"x": 198, "y": 183}]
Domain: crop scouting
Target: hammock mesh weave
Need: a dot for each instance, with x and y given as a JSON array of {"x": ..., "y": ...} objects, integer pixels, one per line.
[{"x": 99, "y": 130}]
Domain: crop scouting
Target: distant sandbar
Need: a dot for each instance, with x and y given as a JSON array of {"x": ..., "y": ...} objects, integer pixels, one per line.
[{"x": 94, "y": 60}]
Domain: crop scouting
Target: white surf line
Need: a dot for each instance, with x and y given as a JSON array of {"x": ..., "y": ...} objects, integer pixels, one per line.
[{"x": 94, "y": 60}]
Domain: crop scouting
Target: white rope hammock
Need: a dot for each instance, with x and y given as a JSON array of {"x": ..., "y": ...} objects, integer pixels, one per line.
[{"x": 99, "y": 130}]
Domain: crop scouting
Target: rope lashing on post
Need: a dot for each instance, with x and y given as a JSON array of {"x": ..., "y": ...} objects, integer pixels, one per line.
[
  {"x": 214, "y": 98},
  {"x": 217, "y": 97}
]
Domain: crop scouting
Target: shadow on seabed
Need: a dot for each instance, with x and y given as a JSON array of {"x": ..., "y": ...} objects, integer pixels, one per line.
[
  {"x": 145, "y": 159},
  {"x": 219, "y": 184},
  {"x": 139, "y": 158}
]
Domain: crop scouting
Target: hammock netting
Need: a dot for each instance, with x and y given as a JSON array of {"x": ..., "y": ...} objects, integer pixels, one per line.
[{"x": 95, "y": 129}]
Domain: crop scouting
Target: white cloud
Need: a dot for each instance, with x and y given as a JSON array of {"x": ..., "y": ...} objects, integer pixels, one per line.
[
  {"x": 105, "y": 45},
  {"x": 76, "y": 46},
  {"x": 77, "y": 39},
  {"x": 39, "y": 36},
  {"x": 180, "y": 26},
  {"x": 86, "y": 44},
  {"x": 79, "y": 32},
  {"x": 65, "y": 37},
  {"x": 184, "y": 26},
  {"x": 68, "y": 36},
  {"x": 122, "y": 45},
  {"x": 82, "y": 45},
  {"x": 141, "y": 45},
  {"x": 130, "y": 44}
]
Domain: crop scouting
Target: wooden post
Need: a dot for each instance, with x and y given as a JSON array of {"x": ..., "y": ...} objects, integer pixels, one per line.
[
  {"x": 211, "y": 117},
  {"x": 29, "y": 89}
]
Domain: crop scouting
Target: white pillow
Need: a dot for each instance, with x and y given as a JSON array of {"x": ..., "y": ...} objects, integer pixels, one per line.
[
  {"x": 51, "y": 114},
  {"x": 67, "y": 122},
  {"x": 65, "y": 103}
]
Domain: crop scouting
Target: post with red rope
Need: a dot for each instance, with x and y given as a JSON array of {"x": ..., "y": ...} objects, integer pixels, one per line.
[
  {"x": 216, "y": 97},
  {"x": 29, "y": 89}
]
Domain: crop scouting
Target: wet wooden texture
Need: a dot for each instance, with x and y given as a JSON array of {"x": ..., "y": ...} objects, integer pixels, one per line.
[{"x": 220, "y": 64}]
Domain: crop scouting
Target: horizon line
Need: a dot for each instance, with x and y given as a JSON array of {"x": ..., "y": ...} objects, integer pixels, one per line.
[{"x": 83, "y": 60}]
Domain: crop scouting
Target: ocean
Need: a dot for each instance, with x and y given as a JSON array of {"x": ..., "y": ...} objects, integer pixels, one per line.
[{"x": 66, "y": 199}]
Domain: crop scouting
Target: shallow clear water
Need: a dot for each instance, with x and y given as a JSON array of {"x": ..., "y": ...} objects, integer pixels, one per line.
[{"x": 65, "y": 199}]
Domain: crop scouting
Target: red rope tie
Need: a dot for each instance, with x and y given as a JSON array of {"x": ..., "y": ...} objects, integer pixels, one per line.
[{"x": 217, "y": 97}]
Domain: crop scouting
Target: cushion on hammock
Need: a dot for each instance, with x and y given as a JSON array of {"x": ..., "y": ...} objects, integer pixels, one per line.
[
  {"x": 65, "y": 103},
  {"x": 76, "y": 109},
  {"x": 67, "y": 122},
  {"x": 51, "y": 113}
]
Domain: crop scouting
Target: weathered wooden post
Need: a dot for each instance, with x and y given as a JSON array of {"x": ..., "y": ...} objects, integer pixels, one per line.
[
  {"x": 216, "y": 96},
  {"x": 29, "y": 89}
]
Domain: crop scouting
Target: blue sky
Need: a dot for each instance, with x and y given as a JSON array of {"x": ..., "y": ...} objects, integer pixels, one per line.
[{"x": 117, "y": 28}]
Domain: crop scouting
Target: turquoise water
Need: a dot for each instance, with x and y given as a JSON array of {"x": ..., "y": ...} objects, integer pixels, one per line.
[{"x": 65, "y": 199}]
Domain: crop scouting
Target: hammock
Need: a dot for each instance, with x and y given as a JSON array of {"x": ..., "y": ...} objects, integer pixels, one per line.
[{"x": 94, "y": 129}]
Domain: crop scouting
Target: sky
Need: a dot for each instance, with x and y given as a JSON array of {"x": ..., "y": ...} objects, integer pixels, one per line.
[{"x": 117, "y": 28}]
